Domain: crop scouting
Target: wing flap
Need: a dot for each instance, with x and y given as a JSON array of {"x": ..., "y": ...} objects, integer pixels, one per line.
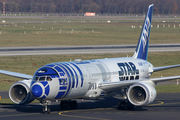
[
  {"x": 15, "y": 74},
  {"x": 111, "y": 86}
]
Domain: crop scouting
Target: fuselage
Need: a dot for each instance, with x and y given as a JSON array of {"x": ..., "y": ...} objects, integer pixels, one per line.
[{"x": 80, "y": 79}]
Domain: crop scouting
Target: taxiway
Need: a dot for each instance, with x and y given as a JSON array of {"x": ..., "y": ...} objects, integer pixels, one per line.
[{"x": 166, "y": 106}]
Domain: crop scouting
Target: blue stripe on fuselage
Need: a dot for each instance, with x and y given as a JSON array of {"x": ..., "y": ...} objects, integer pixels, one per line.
[
  {"x": 69, "y": 78},
  {"x": 75, "y": 74},
  {"x": 81, "y": 74},
  {"x": 72, "y": 75}
]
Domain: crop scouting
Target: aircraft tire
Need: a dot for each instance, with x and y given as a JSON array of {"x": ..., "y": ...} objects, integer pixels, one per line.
[
  {"x": 130, "y": 106},
  {"x": 73, "y": 104},
  {"x": 48, "y": 110},
  {"x": 122, "y": 105},
  {"x": 64, "y": 104},
  {"x": 43, "y": 110},
  {"x": 68, "y": 105}
]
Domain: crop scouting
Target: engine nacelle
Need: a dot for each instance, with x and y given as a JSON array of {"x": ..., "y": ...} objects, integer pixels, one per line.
[
  {"x": 141, "y": 93},
  {"x": 19, "y": 92}
]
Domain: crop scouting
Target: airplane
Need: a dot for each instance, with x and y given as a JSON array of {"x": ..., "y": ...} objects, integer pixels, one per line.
[{"x": 93, "y": 79}]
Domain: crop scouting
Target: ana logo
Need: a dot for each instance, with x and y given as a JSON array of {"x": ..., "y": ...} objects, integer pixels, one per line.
[
  {"x": 140, "y": 64},
  {"x": 145, "y": 33},
  {"x": 42, "y": 71}
]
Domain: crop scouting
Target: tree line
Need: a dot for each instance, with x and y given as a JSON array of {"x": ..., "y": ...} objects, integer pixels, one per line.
[{"x": 97, "y": 6}]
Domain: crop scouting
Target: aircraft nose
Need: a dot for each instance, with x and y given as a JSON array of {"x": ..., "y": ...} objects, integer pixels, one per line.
[{"x": 36, "y": 90}]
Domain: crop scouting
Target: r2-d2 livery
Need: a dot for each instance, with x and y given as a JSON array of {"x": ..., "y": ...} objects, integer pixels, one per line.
[
  {"x": 71, "y": 79},
  {"x": 93, "y": 79}
]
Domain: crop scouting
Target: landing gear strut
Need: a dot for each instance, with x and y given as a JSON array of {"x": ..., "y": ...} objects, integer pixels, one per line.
[
  {"x": 124, "y": 105},
  {"x": 68, "y": 104},
  {"x": 45, "y": 108}
]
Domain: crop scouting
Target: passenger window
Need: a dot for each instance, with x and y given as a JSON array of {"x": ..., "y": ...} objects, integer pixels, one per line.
[
  {"x": 132, "y": 78},
  {"x": 137, "y": 77},
  {"x": 63, "y": 81}
]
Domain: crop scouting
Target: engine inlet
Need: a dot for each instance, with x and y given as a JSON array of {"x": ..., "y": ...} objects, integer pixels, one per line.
[{"x": 137, "y": 94}]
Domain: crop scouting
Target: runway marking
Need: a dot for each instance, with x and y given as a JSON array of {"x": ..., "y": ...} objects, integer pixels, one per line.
[
  {"x": 129, "y": 113},
  {"x": 63, "y": 113},
  {"x": 118, "y": 112},
  {"x": 160, "y": 103},
  {"x": 7, "y": 110},
  {"x": 172, "y": 103},
  {"x": 108, "y": 112},
  {"x": 14, "y": 115},
  {"x": 97, "y": 112},
  {"x": 172, "y": 110}
]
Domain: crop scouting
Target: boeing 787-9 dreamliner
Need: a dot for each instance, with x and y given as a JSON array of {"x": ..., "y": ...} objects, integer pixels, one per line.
[{"x": 93, "y": 79}]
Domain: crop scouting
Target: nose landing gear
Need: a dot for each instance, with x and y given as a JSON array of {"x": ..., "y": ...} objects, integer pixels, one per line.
[
  {"x": 45, "y": 108},
  {"x": 65, "y": 104}
]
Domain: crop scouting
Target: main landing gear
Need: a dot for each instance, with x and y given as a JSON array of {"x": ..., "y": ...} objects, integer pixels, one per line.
[
  {"x": 68, "y": 104},
  {"x": 125, "y": 105}
]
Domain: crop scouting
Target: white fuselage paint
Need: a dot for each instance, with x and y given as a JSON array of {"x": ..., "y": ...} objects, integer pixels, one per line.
[{"x": 101, "y": 71}]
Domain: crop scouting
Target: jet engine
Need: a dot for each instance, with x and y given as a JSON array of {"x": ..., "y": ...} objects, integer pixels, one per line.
[
  {"x": 19, "y": 92},
  {"x": 141, "y": 93}
]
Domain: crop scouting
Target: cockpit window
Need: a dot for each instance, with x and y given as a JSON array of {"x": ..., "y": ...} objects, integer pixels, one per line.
[
  {"x": 42, "y": 78},
  {"x": 48, "y": 79},
  {"x": 36, "y": 78},
  {"x": 45, "y": 74}
]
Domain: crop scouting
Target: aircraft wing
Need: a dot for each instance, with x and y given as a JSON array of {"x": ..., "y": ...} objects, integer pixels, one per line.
[
  {"x": 110, "y": 86},
  {"x": 155, "y": 69},
  {"x": 15, "y": 74}
]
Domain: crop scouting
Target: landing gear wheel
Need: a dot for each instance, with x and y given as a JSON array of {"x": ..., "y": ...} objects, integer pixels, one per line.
[
  {"x": 130, "y": 106},
  {"x": 64, "y": 104},
  {"x": 122, "y": 105},
  {"x": 73, "y": 104},
  {"x": 43, "y": 110},
  {"x": 68, "y": 104},
  {"x": 48, "y": 110}
]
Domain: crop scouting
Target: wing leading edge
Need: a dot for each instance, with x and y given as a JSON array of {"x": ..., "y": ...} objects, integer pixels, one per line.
[
  {"x": 15, "y": 74},
  {"x": 155, "y": 69},
  {"x": 110, "y": 86}
]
